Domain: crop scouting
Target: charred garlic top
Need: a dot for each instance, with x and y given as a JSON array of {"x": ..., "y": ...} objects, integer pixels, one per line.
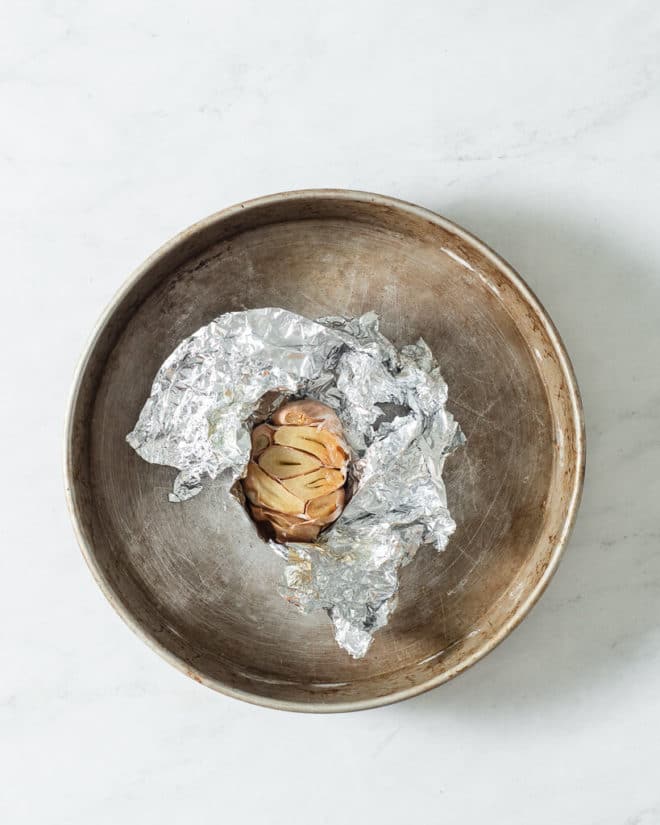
[{"x": 297, "y": 471}]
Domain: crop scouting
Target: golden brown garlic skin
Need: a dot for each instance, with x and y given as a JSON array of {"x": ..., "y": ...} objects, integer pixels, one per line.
[{"x": 296, "y": 478}]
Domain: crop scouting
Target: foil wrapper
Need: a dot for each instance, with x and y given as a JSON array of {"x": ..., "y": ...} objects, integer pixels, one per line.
[{"x": 233, "y": 373}]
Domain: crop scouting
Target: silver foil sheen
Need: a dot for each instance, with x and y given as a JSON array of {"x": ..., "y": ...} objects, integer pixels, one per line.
[{"x": 210, "y": 392}]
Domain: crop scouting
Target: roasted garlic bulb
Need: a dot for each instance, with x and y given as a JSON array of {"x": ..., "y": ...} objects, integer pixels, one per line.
[{"x": 297, "y": 472}]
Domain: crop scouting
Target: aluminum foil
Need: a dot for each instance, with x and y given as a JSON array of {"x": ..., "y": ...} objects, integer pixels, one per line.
[{"x": 234, "y": 372}]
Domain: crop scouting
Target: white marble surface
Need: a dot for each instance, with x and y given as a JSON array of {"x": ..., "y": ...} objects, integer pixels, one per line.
[{"x": 537, "y": 126}]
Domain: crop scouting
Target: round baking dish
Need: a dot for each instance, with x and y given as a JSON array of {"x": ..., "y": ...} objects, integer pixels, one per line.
[{"x": 195, "y": 584}]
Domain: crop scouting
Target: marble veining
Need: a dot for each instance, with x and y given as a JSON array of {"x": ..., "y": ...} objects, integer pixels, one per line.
[{"x": 536, "y": 127}]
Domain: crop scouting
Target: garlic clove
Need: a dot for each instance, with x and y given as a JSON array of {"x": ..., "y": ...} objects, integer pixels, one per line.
[
  {"x": 315, "y": 484},
  {"x": 264, "y": 491},
  {"x": 262, "y": 437},
  {"x": 327, "y": 508},
  {"x": 285, "y": 462},
  {"x": 287, "y": 528},
  {"x": 326, "y": 446},
  {"x": 307, "y": 412}
]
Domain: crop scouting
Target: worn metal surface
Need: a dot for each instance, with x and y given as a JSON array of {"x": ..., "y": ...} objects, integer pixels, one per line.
[{"x": 513, "y": 490}]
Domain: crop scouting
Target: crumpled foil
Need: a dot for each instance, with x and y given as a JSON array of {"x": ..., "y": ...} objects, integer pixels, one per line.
[{"x": 234, "y": 372}]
